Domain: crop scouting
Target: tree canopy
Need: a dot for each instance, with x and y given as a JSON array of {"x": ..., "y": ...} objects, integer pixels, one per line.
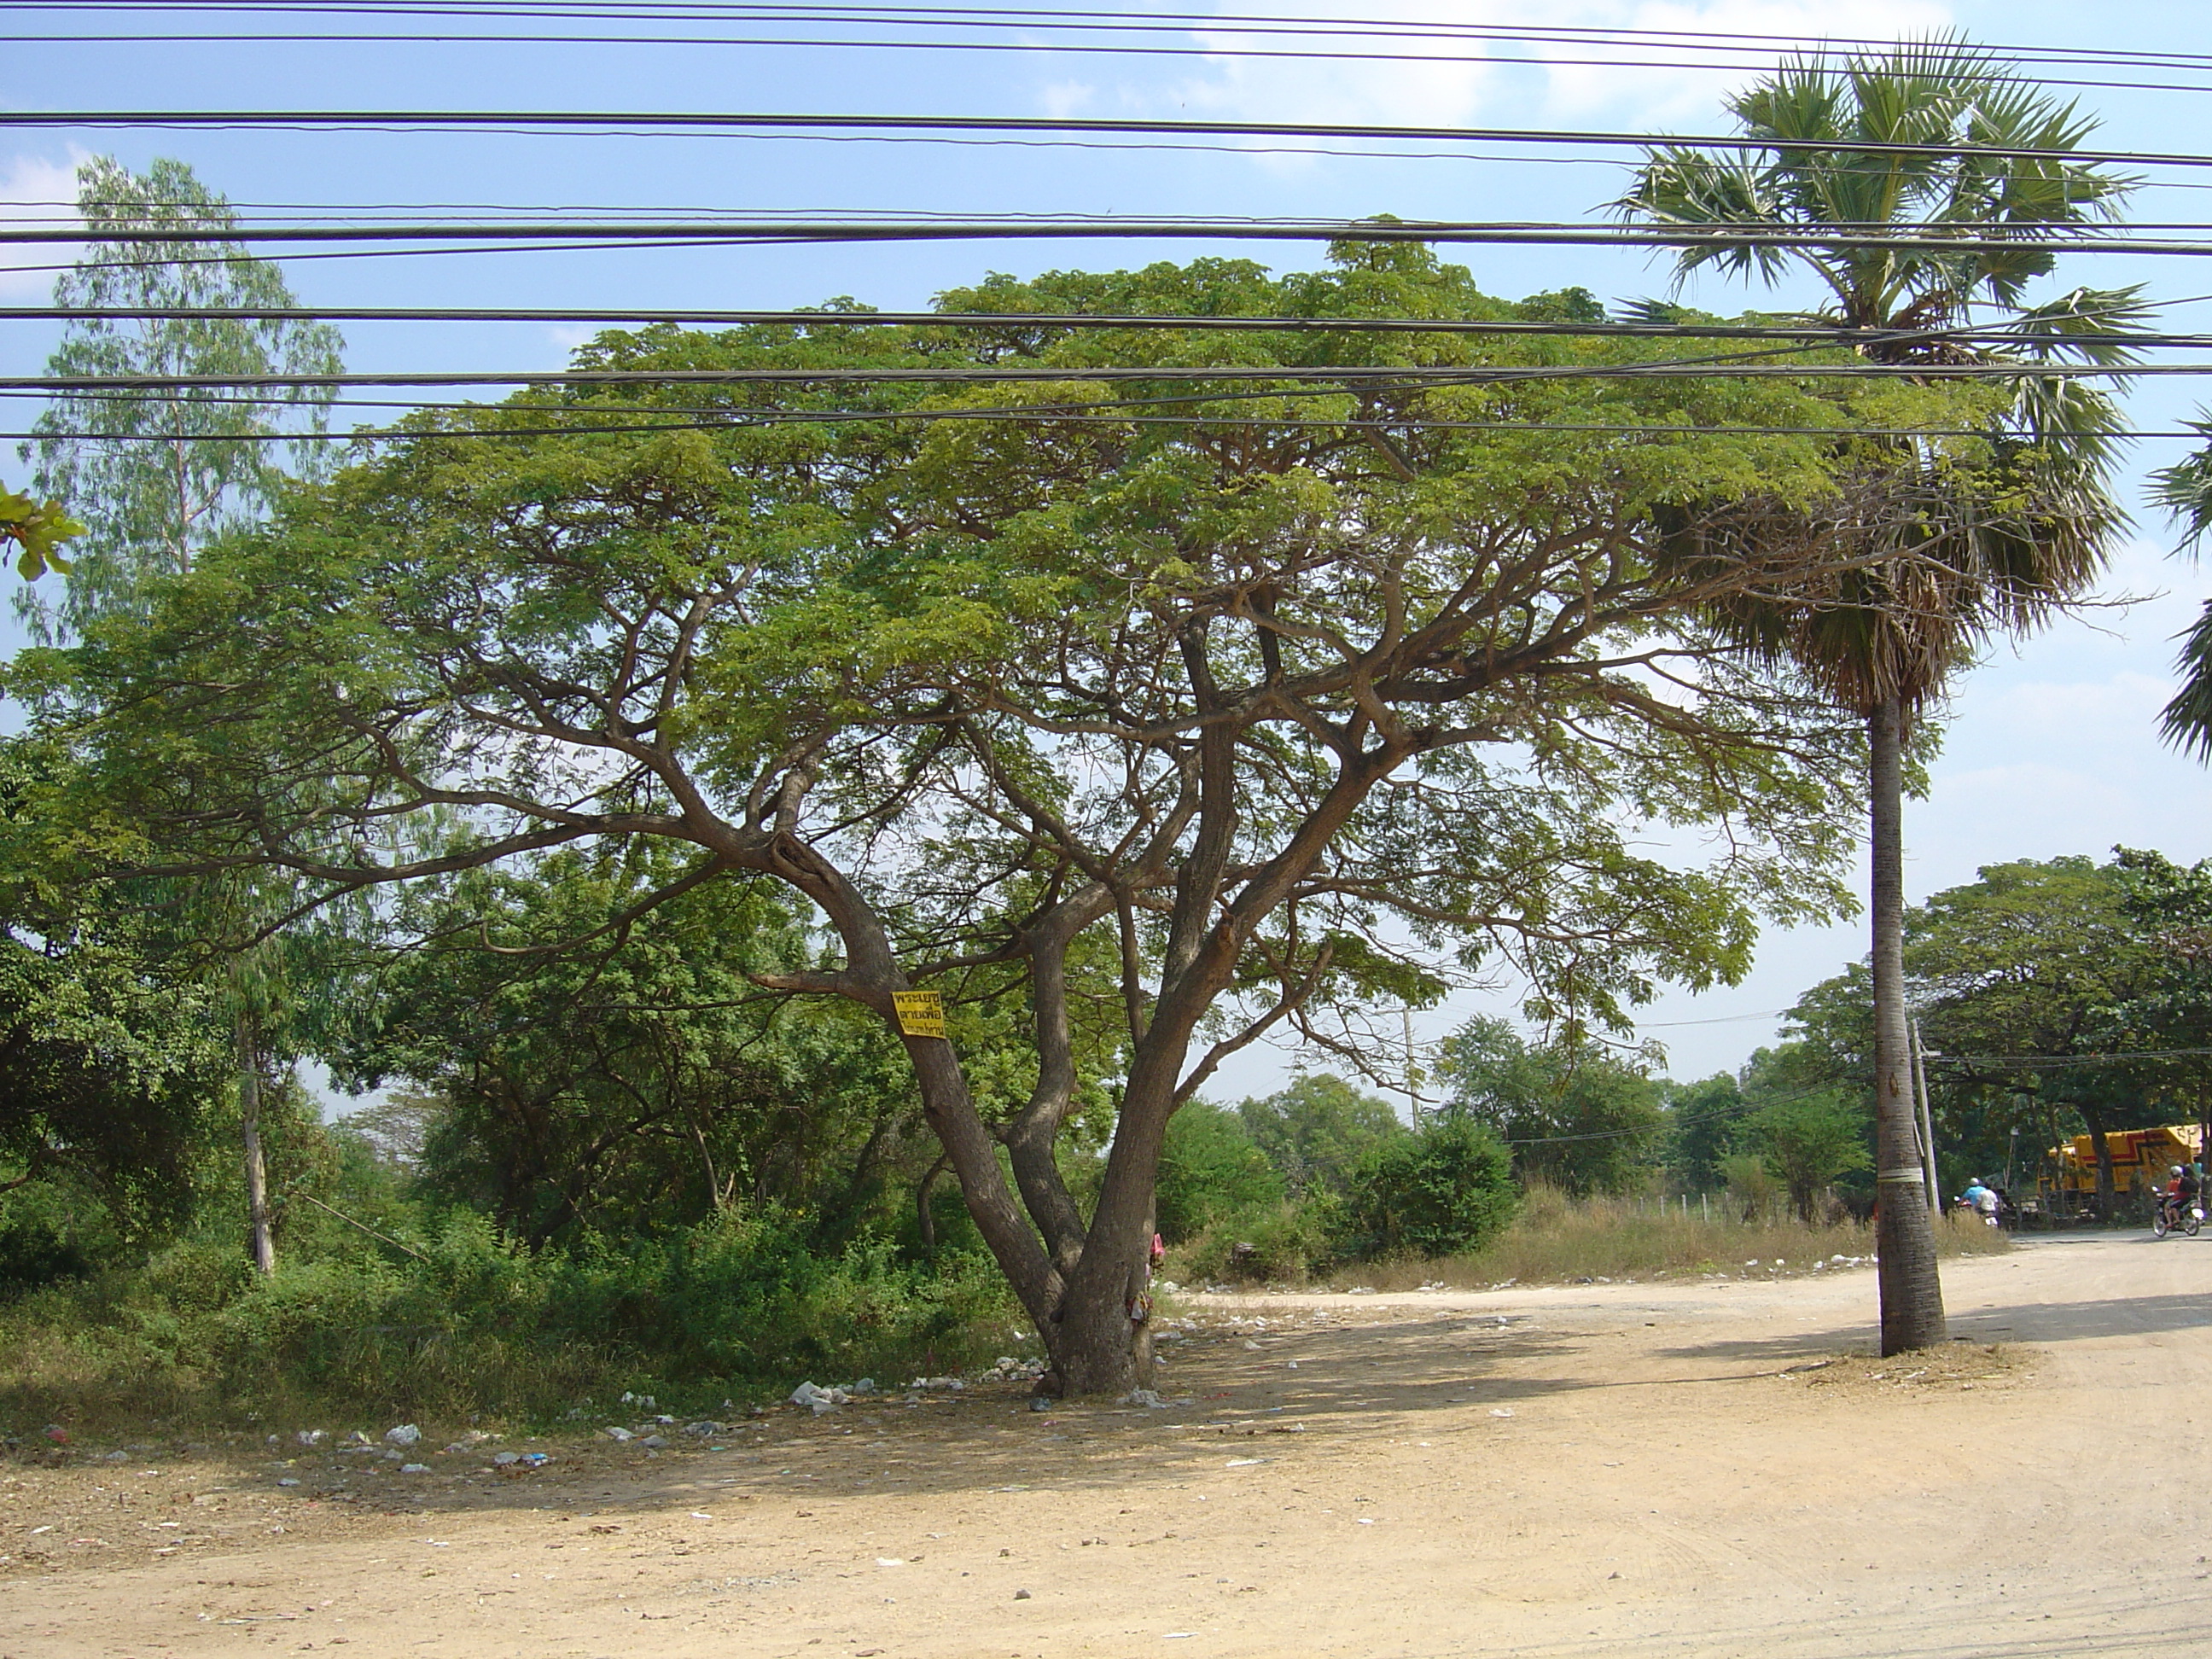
[{"x": 1177, "y": 730}]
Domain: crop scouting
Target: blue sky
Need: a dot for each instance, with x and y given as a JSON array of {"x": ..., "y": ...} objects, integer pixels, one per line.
[{"x": 2050, "y": 746}]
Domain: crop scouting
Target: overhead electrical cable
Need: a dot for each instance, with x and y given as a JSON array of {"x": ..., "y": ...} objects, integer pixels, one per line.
[
  {"x": 685, "y": 121},
  {"x": 1815, "y": 335},
  {"x": 1472, "y": 233},
  {"x": 1044, "y": 417},
  {"x": 1028, "y": 16},
  {"x": 1753, "y": 55},
  {"x": 1367, "y": 376},
  {"x": 1205, "y": 53}
]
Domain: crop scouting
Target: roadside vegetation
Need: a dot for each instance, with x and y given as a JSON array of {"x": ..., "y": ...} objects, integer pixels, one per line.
[{"x": 784, "y": 867}]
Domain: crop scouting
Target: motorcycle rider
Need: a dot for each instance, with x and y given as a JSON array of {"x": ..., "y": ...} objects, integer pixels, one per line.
[{"x": 2182, "y": 1190}]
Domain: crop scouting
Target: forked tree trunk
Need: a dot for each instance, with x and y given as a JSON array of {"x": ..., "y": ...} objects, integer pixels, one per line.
[
  {"x": 264, "y": 1246},
  {"x": 1905, "y": 1234}
]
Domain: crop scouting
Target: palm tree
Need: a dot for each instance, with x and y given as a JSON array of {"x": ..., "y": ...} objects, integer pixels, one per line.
[
  {"x": 1951, "y": 562},
  {"x": 2185, "y": 491}
]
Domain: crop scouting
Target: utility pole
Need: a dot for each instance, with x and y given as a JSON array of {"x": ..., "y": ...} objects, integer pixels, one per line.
[
  {"x": 1412, "y": 1071},
  {"x": 1927, "y": 1120}
]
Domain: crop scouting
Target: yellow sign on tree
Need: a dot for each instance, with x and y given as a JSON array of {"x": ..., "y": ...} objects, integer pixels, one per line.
[{"x": 920, "y": 1013}]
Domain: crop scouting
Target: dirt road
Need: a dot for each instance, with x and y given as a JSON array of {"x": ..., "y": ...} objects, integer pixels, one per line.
[{"x": 1624, "y": 1469}]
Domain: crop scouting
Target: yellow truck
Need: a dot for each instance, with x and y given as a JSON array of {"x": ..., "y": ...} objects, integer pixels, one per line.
[{"x": 2141, "y": 1159}]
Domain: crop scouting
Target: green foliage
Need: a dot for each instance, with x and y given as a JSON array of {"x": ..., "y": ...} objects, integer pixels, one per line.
[
  {"x": 1704, "y": 1119},
  {"x": 1316, "y": 1130},
  {"x": 187, "y": 462},
  {"x": 1285, "y": 1243},
  {"x": 111, "y": 1053},
  {"x": 1441, "y": 1190},
  {"x": 1210, "y": 1170},
  {"x": 743, "y": 1298},
  {"x": 39, "y": 528},
  {"x": 2035, "y": 529},
  {"x": 1577, "y": 1117},
  {"x": 36, "y": 1252},
  {"x": 635, "y": 1081},
  {"x": 743, "y": 1303},
  {"x": 1810, "y": 1139}
]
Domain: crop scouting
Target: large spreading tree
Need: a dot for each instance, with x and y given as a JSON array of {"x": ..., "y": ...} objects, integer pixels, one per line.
[{"x": 1172, "y": 723}]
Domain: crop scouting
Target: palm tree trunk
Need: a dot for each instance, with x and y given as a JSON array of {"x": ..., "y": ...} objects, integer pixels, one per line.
[
  {"x": 1904, "y": 1233},
  {"x": 257, "y": 1172}
]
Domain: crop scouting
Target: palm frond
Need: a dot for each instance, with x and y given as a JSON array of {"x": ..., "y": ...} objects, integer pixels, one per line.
[
  {"x": 2184, "y": 490},
  {"x": 2186, "y": 722}
]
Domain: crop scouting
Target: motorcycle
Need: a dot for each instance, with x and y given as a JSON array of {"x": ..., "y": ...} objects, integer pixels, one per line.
[{"x": 2172, "y": 1214}]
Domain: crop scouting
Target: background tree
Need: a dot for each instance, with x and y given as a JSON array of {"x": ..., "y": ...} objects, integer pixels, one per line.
[
  {"x": 1278, "y": 724},
  {"x": 1316, "y": 1129},
  {"x": 2170, "y": 906},
  {"x": 636, "y": 1082},
  {"x": 1884, "y": 638},
  {"x": 1809, "y": 1139},
  {"x": 2020, "y": 972},
  {"x": 1575, "y": 1114},
  {"x": 1445, "y": 1189},
  {"x": 1703, "y": 1120},
  {"x": 1209, "y": 1171},
  {"x": 182, "y": 466}
]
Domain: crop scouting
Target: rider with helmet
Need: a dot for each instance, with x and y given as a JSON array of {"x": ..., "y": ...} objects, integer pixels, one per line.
[{"x": 2182, "y": 1190}]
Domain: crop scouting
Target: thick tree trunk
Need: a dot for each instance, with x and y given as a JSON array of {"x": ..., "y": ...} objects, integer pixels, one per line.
[
  {"x": 1098, "y": 1348},
  {"x": 1904, "y": 1235},
  {"x": 264, "y": 1246}
]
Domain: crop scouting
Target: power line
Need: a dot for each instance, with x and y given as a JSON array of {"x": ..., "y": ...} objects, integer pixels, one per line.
[
  {"x": 2037, "y": 1063},
  {"x": 1749, "y": 57},
  {"x": 1838, "y": 336},
  {"x": 806, "y": 319},
  {"x": 1752, "y": 62},
  {"x": 528, "y": 120},
  {"x": 1364, "y": 375},
  {"x": 1038, "y": 415},
  {"x": 808, "y": 232},
  {"x": 690, "y": 10}
]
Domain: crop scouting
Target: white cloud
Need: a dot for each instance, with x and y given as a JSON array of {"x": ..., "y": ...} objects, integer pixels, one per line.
[
  {"x": 35, "y": 191},
  {"x": 1544, "y": 86}
]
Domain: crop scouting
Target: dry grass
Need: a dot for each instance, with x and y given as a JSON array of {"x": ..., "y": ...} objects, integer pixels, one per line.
[
  {"x": 1556, "y": 1242},
  {"x": 1951, "y": 1366}
]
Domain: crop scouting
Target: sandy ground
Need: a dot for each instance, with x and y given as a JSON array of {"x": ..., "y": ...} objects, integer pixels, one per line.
[{"x": 1603, "y": 1469}]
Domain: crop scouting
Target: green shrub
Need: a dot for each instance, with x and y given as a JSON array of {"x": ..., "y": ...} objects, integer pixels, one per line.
[
  {"x": 1209, "y": 1170},
  {"x": 33, "y": 1255},
  {"x": 1283, "y": 1242},
  {"x": 474, "y": 1324},
  {"x": 1443, "y": 1190}
]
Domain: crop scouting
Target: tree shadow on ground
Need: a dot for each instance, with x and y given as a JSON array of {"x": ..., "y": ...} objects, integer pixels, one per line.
[{"x": 2017, "y": 1321}]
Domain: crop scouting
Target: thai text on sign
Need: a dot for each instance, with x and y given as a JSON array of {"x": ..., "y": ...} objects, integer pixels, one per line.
[{"x": 920, "y": 1013}]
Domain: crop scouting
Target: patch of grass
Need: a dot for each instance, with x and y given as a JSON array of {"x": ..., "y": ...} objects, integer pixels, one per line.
[
  {"x": 1554, "y": 1243},
  {"x": 1556, "y": 1240},
  {"x": 477, "y": 1328}
]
